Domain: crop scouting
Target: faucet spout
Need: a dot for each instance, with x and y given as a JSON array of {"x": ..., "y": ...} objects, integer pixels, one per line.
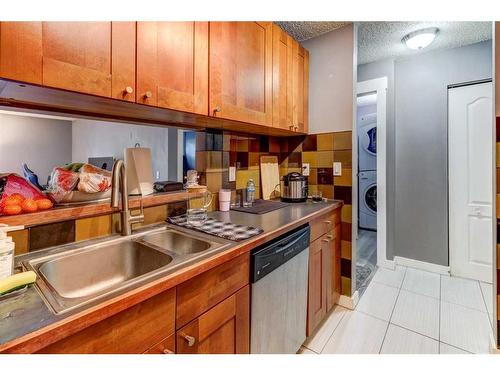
[{"x": 119, "y": 188}]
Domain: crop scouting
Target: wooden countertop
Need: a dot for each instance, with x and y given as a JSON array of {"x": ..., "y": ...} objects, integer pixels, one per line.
[
  {"x": 63, "y": 213},
  {"x": 27, "y": 325}
]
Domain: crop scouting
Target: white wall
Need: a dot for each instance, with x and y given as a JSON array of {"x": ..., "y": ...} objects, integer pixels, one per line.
[
  {"x": 331, "y": 81},
  {"x": 39, "y": 142},
  {"x": 99, "y": 138}
]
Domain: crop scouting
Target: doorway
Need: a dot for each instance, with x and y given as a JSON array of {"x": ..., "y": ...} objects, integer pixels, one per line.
[
  {"x": 470, "y": 180},
  {"x": 370, "y": 231}
]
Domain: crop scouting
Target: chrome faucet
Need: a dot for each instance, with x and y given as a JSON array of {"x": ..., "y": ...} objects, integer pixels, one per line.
[{"x": 119, "y": 185}]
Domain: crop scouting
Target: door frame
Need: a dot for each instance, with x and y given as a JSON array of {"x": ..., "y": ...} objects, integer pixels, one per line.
[
  {"x": 493, "y": 162},
  {"x": 378, "y": 86}
]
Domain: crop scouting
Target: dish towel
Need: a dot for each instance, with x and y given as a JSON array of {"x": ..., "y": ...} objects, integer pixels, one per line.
[{"x": 229, "y": 231}]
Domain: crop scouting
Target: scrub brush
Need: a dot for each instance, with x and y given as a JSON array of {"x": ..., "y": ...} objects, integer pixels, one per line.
[{"x": 17, "y": 281}]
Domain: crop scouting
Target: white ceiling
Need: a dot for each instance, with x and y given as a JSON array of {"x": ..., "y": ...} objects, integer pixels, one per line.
[
  {"x": 382, "y": 40},
  {"x": 303, "y": 30}
]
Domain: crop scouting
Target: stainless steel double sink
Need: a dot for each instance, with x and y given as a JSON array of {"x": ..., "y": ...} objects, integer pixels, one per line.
[{"x": 75, "y": 278}]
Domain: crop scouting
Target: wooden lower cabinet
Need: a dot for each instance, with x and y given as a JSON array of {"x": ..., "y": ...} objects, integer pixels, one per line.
[
  {"x": 132, "y": 331},
  {"x": 166, "y": 346},
  {"x": 324, "y": 271},
  {"x": 224, "y": 329}
]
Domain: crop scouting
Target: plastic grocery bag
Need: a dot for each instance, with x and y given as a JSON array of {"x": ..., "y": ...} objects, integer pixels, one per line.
[
  {"x": 62, "y": 181},
  {"x": 19, "y": 195},
  {"x": 93, "y": 179}
]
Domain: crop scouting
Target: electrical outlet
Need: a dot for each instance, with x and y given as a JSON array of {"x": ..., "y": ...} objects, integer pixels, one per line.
[
  {"x": 305, "y": 169},
  {"x": 232, "y": 174},
  {"x": 337, "y": 168}
]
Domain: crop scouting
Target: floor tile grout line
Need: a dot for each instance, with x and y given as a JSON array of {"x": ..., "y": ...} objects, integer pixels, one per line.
[
  {"x": 486, "y": 306},
  {"x": 392, "y": 312},
  {"x": 439, "y": 316},
  {"x": 413, "y": 331},
  {"x": 331, "y": 334}
]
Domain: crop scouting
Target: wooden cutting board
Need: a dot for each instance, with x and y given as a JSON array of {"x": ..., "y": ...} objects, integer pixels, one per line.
[{"x": 269, "y": 177}]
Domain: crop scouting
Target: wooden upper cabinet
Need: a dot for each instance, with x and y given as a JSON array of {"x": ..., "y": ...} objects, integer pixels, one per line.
[
  {"x": 77, "y": 56},
  {"x": 300, "y": 78},
  {"x": 224, "y": 329},
  {"x": 21, "y": 51},
  {"x": 123, "y": 60},
  {"x": 241, "y": 71},
  {"x": 172, "y": 65},
  {"x": 282, "y": 79}
]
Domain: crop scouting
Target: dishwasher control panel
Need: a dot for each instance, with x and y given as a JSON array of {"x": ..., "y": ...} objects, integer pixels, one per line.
[{"x": 270, "y": 256}]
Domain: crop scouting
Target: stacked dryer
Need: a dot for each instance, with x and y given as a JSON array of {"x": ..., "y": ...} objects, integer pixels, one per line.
[{"x": 367, "y": 168}]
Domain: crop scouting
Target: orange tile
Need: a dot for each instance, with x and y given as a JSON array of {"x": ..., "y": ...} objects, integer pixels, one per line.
[
  {"x": 346, "y": 249},
  {"x": 324, "y": 142},
  {"x": 346, "y": 213},
  {"x": 214, "y": 181},
  {"x": 327, "y": 191},
  {"x": 21, "y": 241},
  {"x": 345, "y": 286},
  {"x": 324, "y": 159},
  {"x": 345, "y": 179},
  {"x": 342, "y": 141},
  {"x": 310, "y": 157},
  {"x": 93, "y": 227},
  {"x": 344, "y": 157}
]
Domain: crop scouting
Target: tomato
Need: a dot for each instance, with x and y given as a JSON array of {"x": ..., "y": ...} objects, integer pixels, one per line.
[
  {"x": 29, "y": 205},
  {"x": 12, "y": 209},
  {"x": 44, "y": 204},
  {"x": 14, "y": 199}
]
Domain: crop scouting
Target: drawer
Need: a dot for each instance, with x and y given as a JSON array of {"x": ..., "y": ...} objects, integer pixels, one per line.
[
  {"x": 324, "y": 224},
  {"x": 166, "y": 346},
  {"x": 201, "y": 293}
]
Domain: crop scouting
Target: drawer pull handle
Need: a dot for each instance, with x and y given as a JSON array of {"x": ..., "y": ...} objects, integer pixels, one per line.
[
  {"x": 167, "y": 351},
  {"x": 328, "y": 222},
  {"x": 329, "y": 236},
  {"x": 147, "y": 95},
  {"x": 189, "y": 339},
  {"x": 128, "y": 90}
]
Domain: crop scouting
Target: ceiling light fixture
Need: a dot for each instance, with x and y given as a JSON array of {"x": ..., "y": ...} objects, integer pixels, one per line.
[{"x": 420, "y": 39}]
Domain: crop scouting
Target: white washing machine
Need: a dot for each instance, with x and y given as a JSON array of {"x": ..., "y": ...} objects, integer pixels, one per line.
[
  {"x": 367, "y": 201},
  {"x": 367, "y": 142}
]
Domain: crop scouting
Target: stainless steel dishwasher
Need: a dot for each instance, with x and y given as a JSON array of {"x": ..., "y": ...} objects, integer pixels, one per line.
[{"x": 279, "y": 293}]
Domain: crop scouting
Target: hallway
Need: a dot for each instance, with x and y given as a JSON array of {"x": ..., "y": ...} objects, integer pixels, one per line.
[{"x": 409, "y": 311}]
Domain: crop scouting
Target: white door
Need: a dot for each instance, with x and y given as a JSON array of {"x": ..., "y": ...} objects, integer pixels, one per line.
[{"x": 470, "y": 185}]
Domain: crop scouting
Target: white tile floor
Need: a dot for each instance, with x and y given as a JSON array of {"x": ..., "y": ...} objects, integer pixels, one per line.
[{"x": 409, "y": 311}]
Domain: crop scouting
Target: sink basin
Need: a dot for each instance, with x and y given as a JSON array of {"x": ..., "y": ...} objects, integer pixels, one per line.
[
  {"x": 177, "y": 242},
  {"x": 78, "y": 277}
]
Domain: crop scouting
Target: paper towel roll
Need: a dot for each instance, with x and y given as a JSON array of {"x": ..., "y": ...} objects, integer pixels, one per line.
[{"x": 139, "y": 171}]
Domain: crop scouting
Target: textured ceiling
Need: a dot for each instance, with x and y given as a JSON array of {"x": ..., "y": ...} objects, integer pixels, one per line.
[
  {"x": 303, "y": 30},
  {"x": 382, "y": 40}
]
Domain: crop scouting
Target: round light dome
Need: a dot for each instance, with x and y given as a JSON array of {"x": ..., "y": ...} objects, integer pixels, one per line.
[{"x": 421, "y": 38}]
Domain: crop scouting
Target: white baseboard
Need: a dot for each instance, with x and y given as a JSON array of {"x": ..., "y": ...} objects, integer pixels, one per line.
[
  {"x": 385, "y": 263},
  {"x": 349, "y": 302},
  {"x": 412, "y": 263}
]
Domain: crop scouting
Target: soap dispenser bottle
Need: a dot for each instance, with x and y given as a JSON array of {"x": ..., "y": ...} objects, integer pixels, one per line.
[{"x": 7, "y": 250}]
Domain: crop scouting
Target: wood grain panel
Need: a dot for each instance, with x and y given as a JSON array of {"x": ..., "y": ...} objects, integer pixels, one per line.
[
  {"x": 241, "y": 71},
  {"x": 132, "y": 331},
  {"x": 316, "y": 306},
  {"x": 166, "y": 346},
  {"x": 172, "y": 64},
  {"x": 21, "y": 51},
  {"x": 123, "y": 44},
  {"x": 282, "y": 78},
  {"x": 300, "y": 77},
  {"x": 201, "y": 293},
  {"x": 324, "y": 224},
  {"x": 224, "y": 329},
  {"x": 77, "y": 56}
]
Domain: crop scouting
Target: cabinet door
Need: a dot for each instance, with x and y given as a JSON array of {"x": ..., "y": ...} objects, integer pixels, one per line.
[
  {"x": 172, "y": 65},
  {"x": 224, "y": 329},
  {"x": 241, "y": 71},
  {"x": 282, "y": 79},
  {"x": 300, "y": 77},
  {"x": 123, "y": 60},
  {"x": 332, "y": 240},
  {"x": 21, "y": 51},
  {"x": 77, "y": 56},
  {"x": 318, "y": 260}
]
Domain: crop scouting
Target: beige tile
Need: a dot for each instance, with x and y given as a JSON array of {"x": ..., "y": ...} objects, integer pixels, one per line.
[
  {"x": 324, "y": 142},
  {"x": 345, "y": 179},
  {"x": 357, "y": 333},
  {"x": 152, "y": 215},
  {"x": 310, "y": 157},
  {"x": 317, "y": 341},
  {"x": 21, "y": 241},
  {"x": 422, "y": 282},
  {"x": 93, "y": 227},
  {"x": 448, "y": 349},
  {"x": 346, "y": 213},
  {"x": 378, "y": 300},
  {"x": 214, "y": 181},
  {"x": 462, "y": 292},
  {"x": 402, "y": 341},
  {"x": 324, "y": 159},
  {"x": 390, "y": 277},
  {"x": 342, "y": 141},
  {"x": 417, "y": 313}
]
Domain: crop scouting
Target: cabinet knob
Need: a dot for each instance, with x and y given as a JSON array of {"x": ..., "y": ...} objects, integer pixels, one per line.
[
  {"x": 329, "y": 236},
  {"x": 128, "y": 90},
  {"x": 217, "y": 109},
  {"x": 296, "y": 128},
  {"x": 291, "y": 127},
  {"x": 189, "y": 339},
  {"x": 147, "y": 95},
  {"x": 167, "y": 351},
  {"x": 328, "y": 222}
]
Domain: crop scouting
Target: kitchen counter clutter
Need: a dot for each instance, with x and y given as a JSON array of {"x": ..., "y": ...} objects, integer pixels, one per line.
[{"x": 201, "y": 307}]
